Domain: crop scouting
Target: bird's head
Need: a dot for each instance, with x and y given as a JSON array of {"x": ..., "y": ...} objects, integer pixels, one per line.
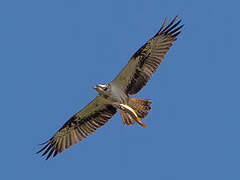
[{"x": 102, "y": 89}]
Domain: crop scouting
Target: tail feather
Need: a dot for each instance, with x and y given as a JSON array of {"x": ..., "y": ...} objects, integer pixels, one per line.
[
  {"x": 141, "y": 106},
  {"x": 127, "y": 118}
]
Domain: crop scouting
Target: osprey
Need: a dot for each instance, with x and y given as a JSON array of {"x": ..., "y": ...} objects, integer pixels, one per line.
[{"x": 115, "y": 95}]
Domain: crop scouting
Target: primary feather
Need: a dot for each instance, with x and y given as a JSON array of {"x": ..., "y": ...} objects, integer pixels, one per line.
[
  {"x": 147, "y": 59},
  {"x": 79, "y": 126}
]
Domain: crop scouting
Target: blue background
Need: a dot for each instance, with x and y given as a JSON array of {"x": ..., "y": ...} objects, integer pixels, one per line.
[{"x": 53, "y": 52}]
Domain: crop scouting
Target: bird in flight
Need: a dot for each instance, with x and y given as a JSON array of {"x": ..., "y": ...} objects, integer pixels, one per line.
[{"x": 115, "y": 95}]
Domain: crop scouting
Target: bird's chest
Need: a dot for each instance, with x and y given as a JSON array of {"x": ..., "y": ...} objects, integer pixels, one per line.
[{"x": 117, "y": 95}]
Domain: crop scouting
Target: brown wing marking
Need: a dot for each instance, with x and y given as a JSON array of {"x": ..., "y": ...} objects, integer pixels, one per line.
[
  {"x": 147, "y": 59},
  {"x": 78, "y": 127}
]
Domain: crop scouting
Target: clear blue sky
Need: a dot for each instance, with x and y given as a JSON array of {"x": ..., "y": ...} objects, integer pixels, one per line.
[{"x": 53, "y": 52}]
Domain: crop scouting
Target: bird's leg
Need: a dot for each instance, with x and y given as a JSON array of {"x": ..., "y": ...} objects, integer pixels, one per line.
[{"x": 132, "y": 112}]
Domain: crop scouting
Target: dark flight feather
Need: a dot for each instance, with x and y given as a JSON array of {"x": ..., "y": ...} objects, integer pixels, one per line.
[
  {"x": 147, "y": 59},
  {"x": 78, "y": 127}
]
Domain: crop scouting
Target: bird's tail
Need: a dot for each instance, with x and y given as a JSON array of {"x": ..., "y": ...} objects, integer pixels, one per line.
[{"x": 140, "y": 106}]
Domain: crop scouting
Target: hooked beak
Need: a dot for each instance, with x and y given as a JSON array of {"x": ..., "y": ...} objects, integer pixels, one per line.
[{"x": 99, "y": 87}]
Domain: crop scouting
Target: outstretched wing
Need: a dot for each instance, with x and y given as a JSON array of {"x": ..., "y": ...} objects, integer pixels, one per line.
[
  {"x": 146, "y": 60},
  {"x": 79, "y": 126}
]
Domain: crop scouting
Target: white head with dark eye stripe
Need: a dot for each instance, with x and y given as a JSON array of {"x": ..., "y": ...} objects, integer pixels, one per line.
[{"x": 103, "y": 89}]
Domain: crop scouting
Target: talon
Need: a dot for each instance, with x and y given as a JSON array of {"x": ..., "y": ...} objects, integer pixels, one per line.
[{"x": 139, "y": 121}]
